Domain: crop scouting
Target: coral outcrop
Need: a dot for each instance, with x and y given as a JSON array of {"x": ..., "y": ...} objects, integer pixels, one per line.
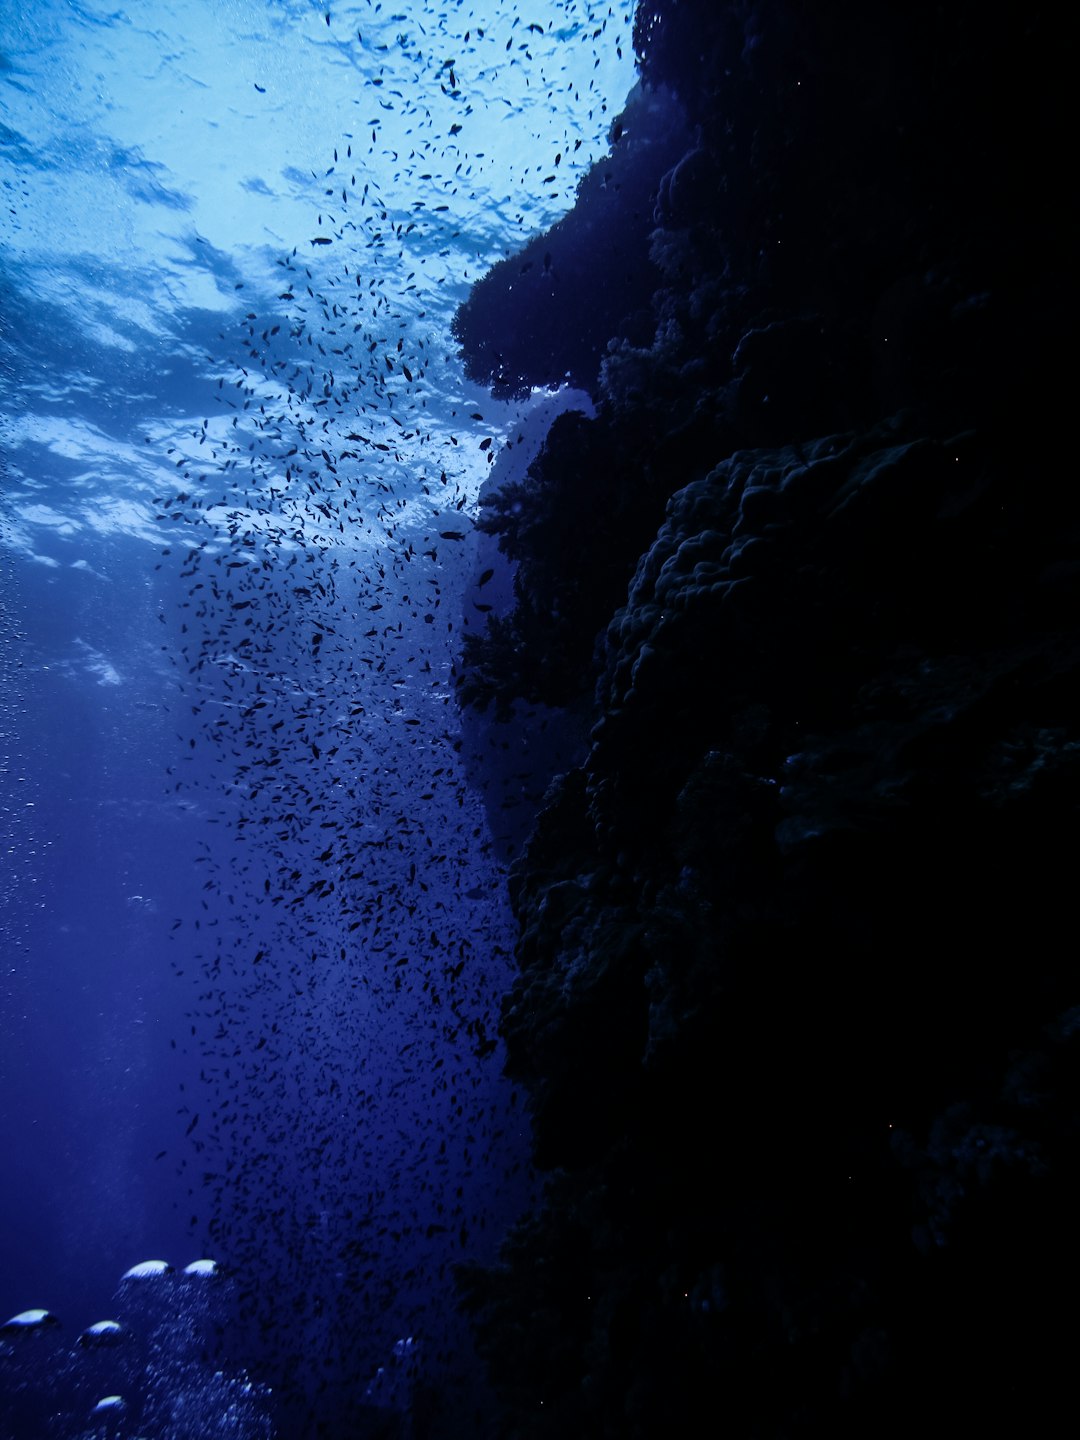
[{"x": 797, "y": 1009}]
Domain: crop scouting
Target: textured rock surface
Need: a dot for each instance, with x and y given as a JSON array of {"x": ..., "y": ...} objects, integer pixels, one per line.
[{"x": 798, "y": 1006}]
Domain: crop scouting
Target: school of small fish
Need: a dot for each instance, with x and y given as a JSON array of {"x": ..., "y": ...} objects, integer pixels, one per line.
[{"x": 352, "y": 1136}]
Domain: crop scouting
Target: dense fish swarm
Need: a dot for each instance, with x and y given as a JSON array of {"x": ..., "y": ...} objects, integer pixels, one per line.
[
  {"x": 349, "y": 1137},
  {"x": 353, "y": 1139}
]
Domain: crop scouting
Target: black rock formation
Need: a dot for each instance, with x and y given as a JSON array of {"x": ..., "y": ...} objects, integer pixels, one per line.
[{"x": 797, "y": 1007}]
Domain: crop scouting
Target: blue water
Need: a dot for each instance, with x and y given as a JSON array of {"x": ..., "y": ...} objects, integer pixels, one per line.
[{"x": 254, "y": 929}]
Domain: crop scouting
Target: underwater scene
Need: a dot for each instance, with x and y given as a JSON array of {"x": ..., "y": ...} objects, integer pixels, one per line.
[
  {"x": 255, "y": 925},
  {"x": 539, "y": 721}
]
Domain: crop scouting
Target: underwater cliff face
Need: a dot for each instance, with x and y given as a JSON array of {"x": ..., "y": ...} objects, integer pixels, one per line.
[
  {"x": 795, "y": 1008},
  {"x": 780, "y": 642}
]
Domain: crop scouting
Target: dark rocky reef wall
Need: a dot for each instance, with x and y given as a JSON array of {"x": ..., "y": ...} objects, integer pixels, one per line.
[
  {"x": 798, "y": 1009},
  {"x": 595, "y": 262}
]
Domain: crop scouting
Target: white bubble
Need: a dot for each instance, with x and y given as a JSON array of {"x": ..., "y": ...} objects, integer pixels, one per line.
[
  {"x": 146, "y": 1270},
  {"x": 201, "y": 1267}
]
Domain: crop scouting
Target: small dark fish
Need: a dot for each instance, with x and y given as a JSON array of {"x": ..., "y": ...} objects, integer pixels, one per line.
[
  {"x": 485, "y": 577},
  {"x": 322, "y": 240},
  {"x": 451, "y": 535},
  {"x": 260, "y": 88}
]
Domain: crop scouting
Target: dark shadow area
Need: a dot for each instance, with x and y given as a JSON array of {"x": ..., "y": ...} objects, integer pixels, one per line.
[{"x": 794, "y": 1009}]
